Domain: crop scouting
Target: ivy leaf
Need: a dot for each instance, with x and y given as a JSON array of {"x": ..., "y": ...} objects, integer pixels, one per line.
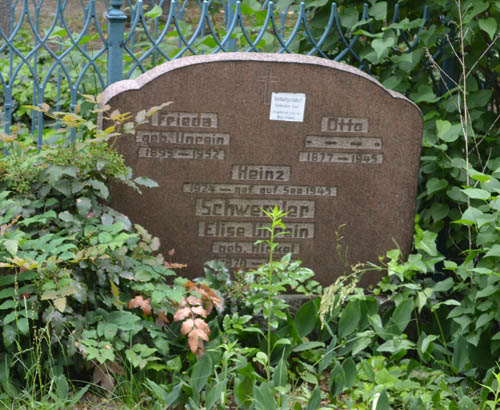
[
  {"x": 427, "y": 242},
  {"x": 379, "y": 11},
  {"x": 384, "y": 44},
  {"x": 448, "y": 132}
]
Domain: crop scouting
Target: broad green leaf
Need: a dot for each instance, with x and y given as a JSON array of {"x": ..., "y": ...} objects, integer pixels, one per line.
[
  {"x": 66, "y": 216},
  {"x": 427, "y": 341},
  {"x": 473, "y": 8},
  {"x": 383, "y": 401},
  {"x": 315, "y": 400},
  {"x": 349, "y": 319},
  {"x": 435, "y": 184},
  {"x": 424, "y": 93},
  {"x": 201, "y": 371},
  {"x": 350, "y": 372},
  {"x": 102, "y": 189},
  {"x": 384, "y": 377},
  {"x": 83, "y": 204},
  {"x": 280, "y": 373},
  {"x": 401, "y": 316},
  {"x": 316, "y": 3},
  {"x": 308, "y": 346},
  {"x": 264, "y": 397},
  {"x": 444, "y": 285},
  {"x": 488, "y": 25},
  {"x": 472, "y": 214},
  {"x": 9, "y": 334},
  {"x": 11, "y": 245},
  {"x": 460, "y": 354},
  {"x": 484, "y": 319},
  {"x": 214, "y": 394},
  {"x": 244, "y": 391},
  {"x": 493, "y": 251},
  {"x": 60, "y": 304},
  {"x": 349, "y": 18},
  {"x": 305, "y": 318},
  {"x": 361, "y": 344},
  {"x": 379, "y": 11},
  {"x": 476, "y": 193},
  {"x": 337, "y": 380},
  {"x": 160, "y": 392}
]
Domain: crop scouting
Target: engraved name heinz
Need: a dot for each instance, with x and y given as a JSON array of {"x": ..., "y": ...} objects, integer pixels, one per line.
[{"x": 261, "y": 172}]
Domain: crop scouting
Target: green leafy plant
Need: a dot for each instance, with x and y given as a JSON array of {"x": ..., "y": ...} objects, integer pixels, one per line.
[{"x": 69, "y": 265}]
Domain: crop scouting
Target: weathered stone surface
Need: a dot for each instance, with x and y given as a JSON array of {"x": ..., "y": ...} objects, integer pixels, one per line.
[{"x": 321, "y": 140}]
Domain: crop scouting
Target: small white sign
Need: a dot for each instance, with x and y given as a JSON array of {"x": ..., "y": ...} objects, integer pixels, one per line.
[{"x": 287, "y": 107}]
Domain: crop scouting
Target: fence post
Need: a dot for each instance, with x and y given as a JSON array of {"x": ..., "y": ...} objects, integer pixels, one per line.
[{"x": 116, "y": 27}]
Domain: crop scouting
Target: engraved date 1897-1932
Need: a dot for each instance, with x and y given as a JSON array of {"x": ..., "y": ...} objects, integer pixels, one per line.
[{"x": 178, "y": 153}]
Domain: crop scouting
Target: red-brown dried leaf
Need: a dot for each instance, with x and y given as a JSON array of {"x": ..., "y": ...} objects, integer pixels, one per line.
[
  {"x": 105, "y": 380},
  {"x": 189, "y": 285},
  {"x": 161, "y": 319},
  {"x": 200, "y": 333},
  {"x": 182, "y": 314},
  {"x": 202, "y": 325},
  {"x": 208, "y": 305},
  {"x": 193, "y": 300},
  {"x": 187, "y": 326},
  {"x": 210, "y": 294},
  {"x": 198, "y": 310},
  {"x": 115, "y": 368},
  {"x": 175, "y": 265},
  {"x": 193, "y": 341},
  {"x": 144, "y": 304},
  {"x": 201, "y": 349}
]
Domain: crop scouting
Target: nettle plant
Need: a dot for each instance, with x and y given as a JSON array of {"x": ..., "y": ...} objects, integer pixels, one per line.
[{"x": 78, "y": 282}]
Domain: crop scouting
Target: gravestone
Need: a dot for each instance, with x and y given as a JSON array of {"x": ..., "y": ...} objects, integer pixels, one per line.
[{"x": 323, "y": 141}]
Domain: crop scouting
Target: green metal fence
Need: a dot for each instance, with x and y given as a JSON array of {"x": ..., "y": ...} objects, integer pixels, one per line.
[{"x": 51, "y": 51}]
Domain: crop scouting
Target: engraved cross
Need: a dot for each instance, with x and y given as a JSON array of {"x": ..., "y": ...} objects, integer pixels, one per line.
[{"x": 267, "y": 79}]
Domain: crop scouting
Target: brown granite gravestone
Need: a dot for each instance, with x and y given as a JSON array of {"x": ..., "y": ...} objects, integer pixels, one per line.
[{"x": 324, "y": 141}]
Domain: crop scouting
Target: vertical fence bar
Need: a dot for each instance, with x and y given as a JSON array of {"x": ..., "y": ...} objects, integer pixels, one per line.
[
  {"x": 116, "y": 20},
  {"x": 231, "y": 43}
]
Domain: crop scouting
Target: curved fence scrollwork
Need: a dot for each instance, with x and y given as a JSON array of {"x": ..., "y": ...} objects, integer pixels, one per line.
[{"x": 52, "y": 51}]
